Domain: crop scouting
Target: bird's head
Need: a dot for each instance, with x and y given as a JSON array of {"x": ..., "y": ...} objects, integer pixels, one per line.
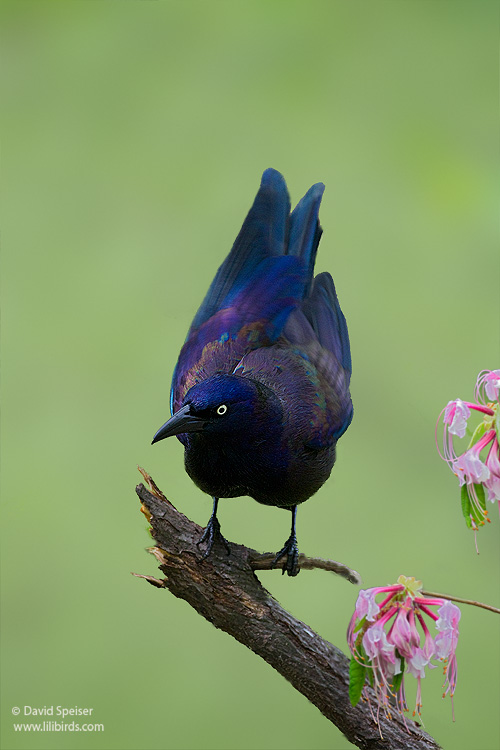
[{"x": 224, "y": 405}]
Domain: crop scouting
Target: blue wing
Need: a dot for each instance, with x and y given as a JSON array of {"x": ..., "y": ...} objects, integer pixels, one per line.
[
  {"x": 263, "y": 235},
  {"x": 251, "y": 296},
  {"x": 264, "y": 292},
  {"x": 305, "y": 230},
  {"x": 322, "y": 310}
]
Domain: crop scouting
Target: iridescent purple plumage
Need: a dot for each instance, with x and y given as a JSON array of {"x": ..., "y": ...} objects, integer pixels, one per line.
[{"x": 260, "y": 393}]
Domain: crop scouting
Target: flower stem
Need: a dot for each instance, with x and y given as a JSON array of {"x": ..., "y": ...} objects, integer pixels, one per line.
[{"x": 463, "y": 601}]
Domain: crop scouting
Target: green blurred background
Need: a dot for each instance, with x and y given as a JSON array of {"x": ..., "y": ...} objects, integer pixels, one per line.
[{"x": 134, "y": 137}]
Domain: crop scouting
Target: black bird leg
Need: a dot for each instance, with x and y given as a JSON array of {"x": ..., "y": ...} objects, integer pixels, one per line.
[
  {"x": 212, "y": 532},
  {"x": 291, "y": 551}
]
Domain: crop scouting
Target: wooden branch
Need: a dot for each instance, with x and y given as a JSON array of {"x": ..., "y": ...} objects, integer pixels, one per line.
[
  {"x": 225, "y": 590},
  {"x": 265, "y": 562},
  {"x": 459, "y": 599}
]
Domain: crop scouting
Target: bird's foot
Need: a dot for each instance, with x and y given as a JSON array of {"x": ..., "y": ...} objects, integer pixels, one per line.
[
  {"x": 212, "y": 534},
  {"x": 291, "y": 551}
]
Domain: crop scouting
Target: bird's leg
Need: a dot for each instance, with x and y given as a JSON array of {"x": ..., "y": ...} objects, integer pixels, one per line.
[
  {"x": 212, "y": 532},
  {"x": 291, "y": 551}
]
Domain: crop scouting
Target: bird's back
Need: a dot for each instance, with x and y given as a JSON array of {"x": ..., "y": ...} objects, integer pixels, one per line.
[
  {"x": 260, "y": 393},
  {"x": 267, "y": 317}
]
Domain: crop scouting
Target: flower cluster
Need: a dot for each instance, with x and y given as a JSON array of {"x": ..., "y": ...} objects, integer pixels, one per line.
[
  {"x": 479, "y": 479},
  {"x": 389, "y": 637}
]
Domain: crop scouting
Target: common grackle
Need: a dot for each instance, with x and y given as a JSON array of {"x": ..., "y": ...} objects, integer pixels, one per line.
[{"x": 260, "y": 393}]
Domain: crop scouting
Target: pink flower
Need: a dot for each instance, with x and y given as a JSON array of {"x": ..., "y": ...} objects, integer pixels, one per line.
[
  {"x": 396, "y": 639},
  {"x": 449, "y": 616},
  {"x": 403, "y": 636},
  {"x": 469, "y": 467},
  {"x": 488, "y": 382},
  {"x": 492, "y": 484},
  {"x": 376, "y": 644},
  {"x": 446, "y": 643},
  {"x": 417, "y": 663},
  {"x": 366, "y": 605},
  {"x": 447, "y": 625},
  {"x": 475, "y": 473},
  {"x": 456, "y": 415}
]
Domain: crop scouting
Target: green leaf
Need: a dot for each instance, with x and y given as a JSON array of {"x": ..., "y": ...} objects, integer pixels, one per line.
[
  {"x": 369, "y": 676},
  {"x": 480, "y": 495},
  {"x": 360, "y": 624},
  {"x": 464, "y": 496},
  {"x": 398, "y": 678},
  {"x": 497, "y": 422},
  {"x": 482, "y": 502},
  {"x": 357, "y": 673},
  {"x": 475, "y": 512},
  {"x": 478, "y": 434}
]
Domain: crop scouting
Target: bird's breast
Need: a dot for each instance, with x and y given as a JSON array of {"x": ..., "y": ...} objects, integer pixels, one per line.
[{"x": 276, "y": 474}]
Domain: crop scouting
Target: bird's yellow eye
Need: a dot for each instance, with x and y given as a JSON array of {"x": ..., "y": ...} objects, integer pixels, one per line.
[{"x": 222, "y": 409}]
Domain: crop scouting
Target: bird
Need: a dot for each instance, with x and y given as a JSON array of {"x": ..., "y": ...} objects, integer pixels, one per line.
[{"x": 260, "y": 392}]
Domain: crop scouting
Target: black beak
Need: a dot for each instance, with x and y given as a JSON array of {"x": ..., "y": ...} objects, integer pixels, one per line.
[{"x": 182, "y": 421}]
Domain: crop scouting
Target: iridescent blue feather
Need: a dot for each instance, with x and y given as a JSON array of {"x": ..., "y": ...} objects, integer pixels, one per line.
[{"x": 265, "y": 300}]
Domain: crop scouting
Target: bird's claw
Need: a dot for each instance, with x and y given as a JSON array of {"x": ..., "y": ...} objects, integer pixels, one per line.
[
  {"x": 213, "y": 533},
  {"x": 290, "y": 549}
]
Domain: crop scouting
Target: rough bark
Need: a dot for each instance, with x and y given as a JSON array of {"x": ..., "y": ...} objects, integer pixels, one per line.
[{"x": 225, "y": 590}]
